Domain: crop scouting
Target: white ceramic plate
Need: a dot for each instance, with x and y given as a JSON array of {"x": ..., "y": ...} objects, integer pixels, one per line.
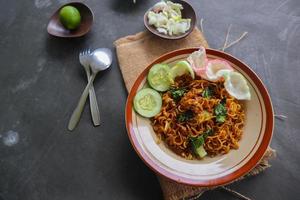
[{"x": 209, "y": 171}]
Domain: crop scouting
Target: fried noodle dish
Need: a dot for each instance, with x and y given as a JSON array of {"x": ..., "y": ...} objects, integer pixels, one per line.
[{"x": 197, "y": 112}]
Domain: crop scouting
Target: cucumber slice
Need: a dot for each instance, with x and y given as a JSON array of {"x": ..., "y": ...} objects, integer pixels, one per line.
[
  {"x": 147, "y": 102},
  {"x": 160, "y": 78},
  {"x": 182, "y": 67}
]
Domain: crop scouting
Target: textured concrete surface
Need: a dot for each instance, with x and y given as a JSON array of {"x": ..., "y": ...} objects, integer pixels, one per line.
[{"x": 41, "y": 81}]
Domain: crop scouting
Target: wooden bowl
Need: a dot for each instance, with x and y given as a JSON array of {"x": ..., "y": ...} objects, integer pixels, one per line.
[
  {"x": 56, "y": 28},
  {"x": 209, "y": 171},
  {"x": 187, "y": 12}
]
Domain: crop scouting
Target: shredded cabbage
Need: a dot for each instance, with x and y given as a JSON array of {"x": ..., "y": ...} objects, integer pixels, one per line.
[
  {"x": 175, "y": 6},
  {"x": 167, "y": 18},
  {"x": 160, "y": 6},
  {"x": 157, "y": 19},
  {"x": 162, "y": 30}
]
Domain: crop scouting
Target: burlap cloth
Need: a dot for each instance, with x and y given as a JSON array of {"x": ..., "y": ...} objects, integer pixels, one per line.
[{"x": 134, "y": 53}]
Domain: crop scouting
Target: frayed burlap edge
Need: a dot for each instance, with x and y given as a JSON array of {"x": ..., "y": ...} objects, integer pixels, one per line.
[{"x": 175, "y": 191}]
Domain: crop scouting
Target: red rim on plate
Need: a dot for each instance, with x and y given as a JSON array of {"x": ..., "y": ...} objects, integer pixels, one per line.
[{"x": 245, "y": 168}]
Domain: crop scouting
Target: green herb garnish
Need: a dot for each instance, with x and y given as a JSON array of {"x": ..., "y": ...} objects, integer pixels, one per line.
[
  {"x": 208, "y": 92},
  {"x": 220, "y": 118},
  {"x": 198, "y": 142},
  {"x": 187, "y": 115},
  {"x": 208, "y": 132},
  {"x": 221, "y": 111},
  {"x": 177, "y": 93}
]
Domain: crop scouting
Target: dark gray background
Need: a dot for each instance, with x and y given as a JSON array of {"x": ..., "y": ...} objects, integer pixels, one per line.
[{"x": 41, "y": 81}]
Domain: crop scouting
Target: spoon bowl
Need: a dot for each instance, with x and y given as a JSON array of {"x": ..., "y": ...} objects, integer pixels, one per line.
[
  {"x": 56, "y": 28},
  {"x": 100, "y": 59}
]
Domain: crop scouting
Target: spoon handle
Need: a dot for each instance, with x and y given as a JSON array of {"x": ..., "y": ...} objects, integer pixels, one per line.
[
  {"x": 93, "y": 102},
  {"x": 94, "y": 107},
  {"x": 79, "y": 108}
]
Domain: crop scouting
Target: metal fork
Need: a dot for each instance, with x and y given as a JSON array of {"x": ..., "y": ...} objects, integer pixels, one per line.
[{"x": 84, "y": 60}]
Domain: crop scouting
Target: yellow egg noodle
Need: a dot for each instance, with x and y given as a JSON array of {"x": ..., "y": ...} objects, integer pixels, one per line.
[{"x": 177, "y": 134}]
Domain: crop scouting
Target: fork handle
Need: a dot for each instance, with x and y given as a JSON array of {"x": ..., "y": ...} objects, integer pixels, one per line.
[{"x": 79, "y": 108}]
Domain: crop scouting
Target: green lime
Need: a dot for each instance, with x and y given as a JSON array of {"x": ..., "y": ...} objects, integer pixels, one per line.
[{"x": 70, "y": 17}]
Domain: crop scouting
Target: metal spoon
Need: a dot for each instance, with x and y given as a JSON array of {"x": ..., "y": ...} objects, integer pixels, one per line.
[
  {"x": 84, "y": 58},
  {"x": 100, "y": 60}
]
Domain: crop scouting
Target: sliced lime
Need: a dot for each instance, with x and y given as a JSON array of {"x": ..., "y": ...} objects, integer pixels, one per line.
[{"x": 182, "y": 67}]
